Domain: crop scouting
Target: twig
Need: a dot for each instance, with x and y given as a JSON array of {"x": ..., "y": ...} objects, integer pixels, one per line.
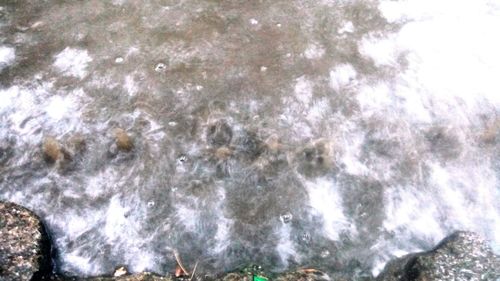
[
  {"x": 194, "y": 271},
  {"x": 178, "y": 259}
]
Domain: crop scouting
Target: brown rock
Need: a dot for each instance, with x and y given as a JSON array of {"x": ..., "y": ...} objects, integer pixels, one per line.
[
  {"x": 24, "y": 245},
  {"x": 77, "y": 144},
  {"x": 223, "y": 153},
  {"x": 123, "y": 140},
  {"x": 52, "y": 150},
  {"x": 491, "y": 132}
]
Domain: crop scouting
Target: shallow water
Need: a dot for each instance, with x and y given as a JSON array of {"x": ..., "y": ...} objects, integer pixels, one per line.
[{"x": 334, "y": 134}]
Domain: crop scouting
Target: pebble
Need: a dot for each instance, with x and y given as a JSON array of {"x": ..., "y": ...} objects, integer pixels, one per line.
[
  {"x": 123, "y": 140},
  {"x": 51, "y": 150}
]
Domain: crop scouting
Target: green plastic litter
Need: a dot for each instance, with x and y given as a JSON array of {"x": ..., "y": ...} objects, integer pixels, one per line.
[{"x": 259, "y": 278}]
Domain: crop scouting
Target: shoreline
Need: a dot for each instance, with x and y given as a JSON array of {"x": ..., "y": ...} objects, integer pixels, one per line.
[{"x": 27, "y": 254}]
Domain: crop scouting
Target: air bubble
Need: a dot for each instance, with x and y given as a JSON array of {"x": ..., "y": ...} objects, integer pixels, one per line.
[
  {"x": 151, "y": 203},
  {"x": 286, "y": 218},
  {"x": 119, "y": 60},
  {"x": 160, "y": 67},
  {"x": 325, "y": 254},
  {"x": 305, "y": 238},
  {"x": 182, "y": 159}
]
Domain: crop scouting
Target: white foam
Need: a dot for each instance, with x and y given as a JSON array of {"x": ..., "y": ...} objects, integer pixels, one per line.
[
  {"x": 348, "y": 27},
  {"x": 188, "y": 217},
  {"x": 303, "y": 90},
  {"x": 414, "y": 211},
  {"x": 72, "y": 62},
  {"x": 76, "y": 224},
  {"x": 375, "y": 98},
  {"x": 83, "y": 264},
  {"x": 352, "y": 145},
  {"x": 116, "y": 219},
  {"x": 314, "y": 51},
  {"x": 341, "y": 76},
  {"x": 458, "y": 198},
  {"x": 453, "y": 62},
  {"x": 325, "y": 199},
  {"x": 382, "y": 51},
  {"x": 7, "y": 56},
  {"x": 130, "y": 85},
  {"x": 222, "y": 239},
  {"x": 59, "y": 108},
  {"x": 286, "y": 247}
]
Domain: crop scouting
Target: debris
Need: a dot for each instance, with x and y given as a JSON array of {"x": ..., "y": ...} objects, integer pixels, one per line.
[
  {"x": 120, "y": 271},
  {"x": 260, "y": 278},
  {"x": 194, "y": 271},
  {"x": 180, "y": 270}
]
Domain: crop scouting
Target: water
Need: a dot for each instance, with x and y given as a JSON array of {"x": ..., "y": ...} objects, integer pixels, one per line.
[{"x": 333, "y": 134}]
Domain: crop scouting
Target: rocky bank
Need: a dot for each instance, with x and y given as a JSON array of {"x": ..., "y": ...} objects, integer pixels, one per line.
[{"x": 25, "y": 254}]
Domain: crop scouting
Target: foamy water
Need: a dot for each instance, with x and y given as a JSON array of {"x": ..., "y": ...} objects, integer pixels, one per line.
[{"x": 285, "y": 133}]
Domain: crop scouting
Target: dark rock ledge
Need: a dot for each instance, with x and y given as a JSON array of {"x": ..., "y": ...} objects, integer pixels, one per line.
[
  {"x": 24, "y": 245},
  {"x": 25, "y": 255},
  {"x": 460, "y": 256}
]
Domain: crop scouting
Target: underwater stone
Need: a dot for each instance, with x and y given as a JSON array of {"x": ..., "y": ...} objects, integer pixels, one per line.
[
  {"x": 24, "y": 245},
  {"x": 51, "y": 149},
  {"x": 219, "y": 134},
  {"x": 223, "y": 153},
  {"x": 460, "y": 256},
  {"x": 123, "y": 140}
]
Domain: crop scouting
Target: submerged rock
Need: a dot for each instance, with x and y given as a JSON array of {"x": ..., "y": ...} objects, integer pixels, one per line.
[
  {"x": 24, "y": 245},
  {"x": 55, "y": 152},
  {"x": 219, "y": 134},
  {"x": 52, "y": 150},
  {"x": 460, "y": 256},
  {"x": 123, "y": 140}
]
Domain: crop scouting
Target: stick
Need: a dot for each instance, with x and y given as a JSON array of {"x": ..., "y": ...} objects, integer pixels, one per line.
[
  {"x": 194, "y": 271},
  {"x": 178, "y": 259}
]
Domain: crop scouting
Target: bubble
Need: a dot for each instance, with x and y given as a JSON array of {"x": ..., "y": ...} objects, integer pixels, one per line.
[
  {"x": 263, "y": 69},
  {"x": 286, "y": 217},
  {"x": 305, "y": 238},
  {"x": 325, "y": 254},
  {"x": 151, "y": 203},
  {"x": 119, "y": 60},
  {"x": 160, "y": 67},
  {"x": 182, "y": 159},
  {"x": 254, "y": 22}
]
